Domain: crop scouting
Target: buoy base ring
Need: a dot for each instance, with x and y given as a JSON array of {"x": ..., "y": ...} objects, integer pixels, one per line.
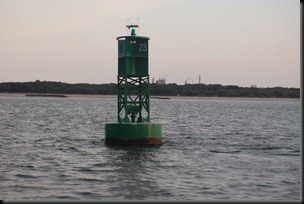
[
  {"x": 127, "y": 134},
  {"x": 134, "y": 142}
]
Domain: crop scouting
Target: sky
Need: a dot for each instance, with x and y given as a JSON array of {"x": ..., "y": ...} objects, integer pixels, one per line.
[{"x": 228, "y": 42}]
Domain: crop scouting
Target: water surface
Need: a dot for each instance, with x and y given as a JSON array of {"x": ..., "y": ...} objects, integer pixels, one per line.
[{"x": 53, "y": 149}]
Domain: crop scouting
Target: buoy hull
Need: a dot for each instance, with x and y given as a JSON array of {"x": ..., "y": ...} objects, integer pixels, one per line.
[{"x": 127, "y": 134}]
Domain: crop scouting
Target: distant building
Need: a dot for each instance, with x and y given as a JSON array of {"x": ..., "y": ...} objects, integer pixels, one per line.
[
  {"x": 161, "y": 81},
  {"x": 253, "y": 86}
]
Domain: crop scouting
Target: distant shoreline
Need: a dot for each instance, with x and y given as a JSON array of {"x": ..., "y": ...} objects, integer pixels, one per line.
[
  {"x": 160, "y": 91},
  {"x": 151, "y": 97},
  {"x": 45, "y": 95}
]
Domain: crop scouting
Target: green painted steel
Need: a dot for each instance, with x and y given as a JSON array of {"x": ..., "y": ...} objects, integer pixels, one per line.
[
  {"x": 133, "y": 98},
  {"x": 133, "y": 131},
  {"x": 133, "y": 94},
  {"x": 133, "y": 54}
]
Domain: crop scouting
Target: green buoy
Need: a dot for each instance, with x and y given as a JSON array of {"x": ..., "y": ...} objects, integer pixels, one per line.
[{"x": 133, "y": 125}]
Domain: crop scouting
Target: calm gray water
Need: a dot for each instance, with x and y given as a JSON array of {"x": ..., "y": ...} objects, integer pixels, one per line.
[{"x": 214, "y": 150}]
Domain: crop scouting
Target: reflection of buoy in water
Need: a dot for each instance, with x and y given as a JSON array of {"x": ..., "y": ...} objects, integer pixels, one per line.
[{"x": 133, "y": 125}]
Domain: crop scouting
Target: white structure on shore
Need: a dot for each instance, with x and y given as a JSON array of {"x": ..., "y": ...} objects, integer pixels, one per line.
[{"x": 161, "y": 80}]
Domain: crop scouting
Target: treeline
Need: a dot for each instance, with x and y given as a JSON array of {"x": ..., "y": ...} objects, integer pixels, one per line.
[
  {"x": 155, "y": 89},
  {"x": 222, "y": 91},
  {"x": 57, "y": 88}
]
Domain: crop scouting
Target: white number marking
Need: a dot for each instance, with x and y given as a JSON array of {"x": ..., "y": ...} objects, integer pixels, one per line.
[{"x": 142, "y": 47}]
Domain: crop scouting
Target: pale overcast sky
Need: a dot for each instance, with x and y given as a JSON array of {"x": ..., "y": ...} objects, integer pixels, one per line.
[{"x": 228, "y": 42}]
